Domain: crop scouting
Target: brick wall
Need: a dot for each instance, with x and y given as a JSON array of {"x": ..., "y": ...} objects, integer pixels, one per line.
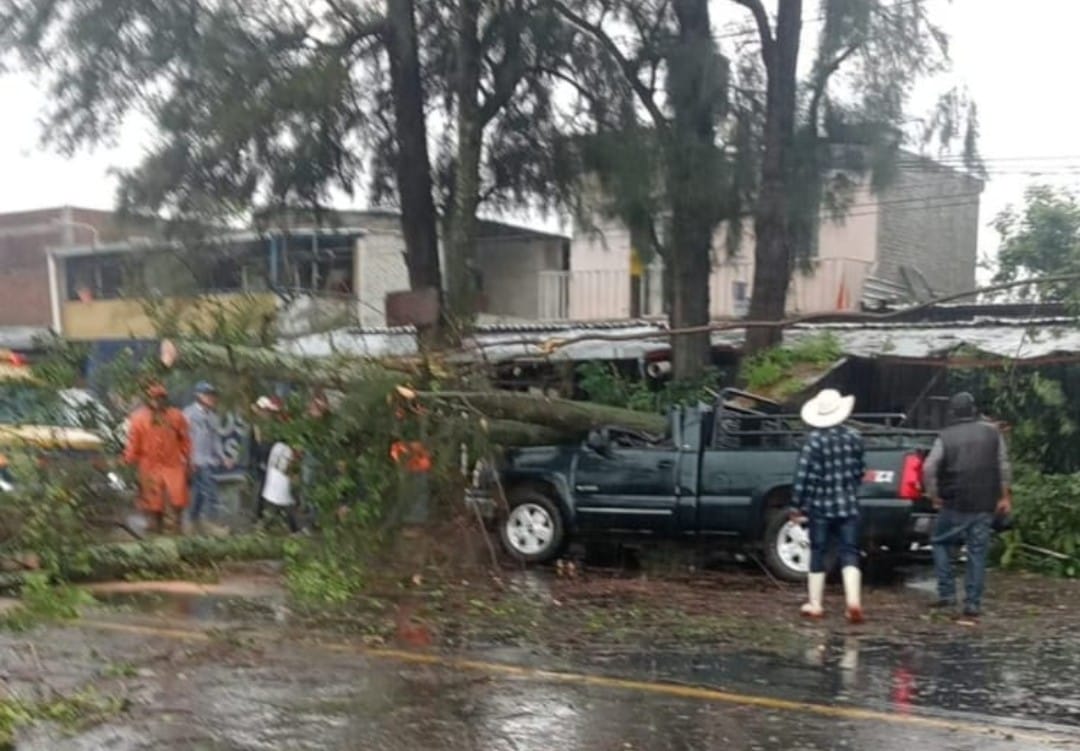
[
  {"x": 929, "y": 221},
  {"x": 25, "y": 238}
]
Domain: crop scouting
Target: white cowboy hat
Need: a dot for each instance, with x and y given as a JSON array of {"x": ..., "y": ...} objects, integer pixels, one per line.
[{"x": 827, "y": 409}]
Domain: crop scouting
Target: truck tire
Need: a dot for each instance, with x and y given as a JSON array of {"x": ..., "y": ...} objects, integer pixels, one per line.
[
  {"x": 787, "y": 548},
  {"x": 533, "y": 530}
]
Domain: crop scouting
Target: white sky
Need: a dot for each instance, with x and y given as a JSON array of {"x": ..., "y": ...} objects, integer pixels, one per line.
[{"x": 1016, "y": 64}]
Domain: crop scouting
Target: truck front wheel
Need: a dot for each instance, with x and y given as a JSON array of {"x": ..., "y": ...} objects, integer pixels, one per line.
[
  {"x": 533, "y": 531},
  {"x": 787, "y": 548}
]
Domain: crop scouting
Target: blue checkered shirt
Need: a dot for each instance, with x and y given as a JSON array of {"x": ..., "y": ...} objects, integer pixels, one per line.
[{"x": 831, "y": 469}]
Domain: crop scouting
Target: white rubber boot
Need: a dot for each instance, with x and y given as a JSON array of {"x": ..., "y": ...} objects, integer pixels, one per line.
[
  {"x": 815, "y": 587},
  {"x": 853, "y": 593}
]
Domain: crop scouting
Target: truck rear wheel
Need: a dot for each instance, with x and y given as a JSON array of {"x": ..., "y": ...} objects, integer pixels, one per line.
[
  {"x": 533, "y": 530},
  {"x": 787, "y": 548}
]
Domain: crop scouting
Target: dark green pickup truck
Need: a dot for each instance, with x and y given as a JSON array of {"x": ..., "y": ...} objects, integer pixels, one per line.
[{"x": 722, "y": 474}]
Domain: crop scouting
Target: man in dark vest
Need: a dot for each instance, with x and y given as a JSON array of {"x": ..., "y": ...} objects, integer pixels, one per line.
[{"x": 968, "y": 476}]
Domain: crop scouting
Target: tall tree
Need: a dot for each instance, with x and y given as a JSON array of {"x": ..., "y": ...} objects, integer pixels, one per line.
[
  {"x": 884, "y": 47},
  {"x": 277, "y": 103},
  {"x": 672, "y": 43},
  {"x": 1042, "y": 238},
  {"x": 413, "y": 166}
]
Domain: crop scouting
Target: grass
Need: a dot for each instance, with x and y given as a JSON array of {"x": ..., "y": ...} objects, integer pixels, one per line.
[
  {"x": 782, "y": 371},
  {"x": 79, "y": 710}
]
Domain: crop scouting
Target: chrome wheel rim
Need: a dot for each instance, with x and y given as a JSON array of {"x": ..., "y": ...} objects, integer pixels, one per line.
[
  {"x": 530, "y": 529},
  {"x": 793, "y": 547}
]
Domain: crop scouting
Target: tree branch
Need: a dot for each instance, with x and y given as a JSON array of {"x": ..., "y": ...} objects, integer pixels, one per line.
[
  {"x": 629, "y": 70},
  {"x": 821, "y": 81},
  {"x": 357, "y": 29},
  {"x": 761, "y": 17}
]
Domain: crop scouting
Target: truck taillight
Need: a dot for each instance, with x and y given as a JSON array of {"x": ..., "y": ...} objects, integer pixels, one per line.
[{"x": 911, "y": 488}]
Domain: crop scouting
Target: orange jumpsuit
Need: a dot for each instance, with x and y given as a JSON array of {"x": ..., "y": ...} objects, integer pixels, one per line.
[{"x": 159, "y": 444}]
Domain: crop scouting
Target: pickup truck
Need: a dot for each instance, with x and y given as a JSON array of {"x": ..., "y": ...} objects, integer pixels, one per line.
[{"x": 722, "y": 476}]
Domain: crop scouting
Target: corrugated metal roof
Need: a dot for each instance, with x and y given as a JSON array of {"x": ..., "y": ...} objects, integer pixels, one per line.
[{"x": 1011, "y": 338}]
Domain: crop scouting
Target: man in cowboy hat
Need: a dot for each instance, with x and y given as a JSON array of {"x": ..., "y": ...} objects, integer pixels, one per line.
[
  {"x": 968, "y": 477},
  {"x": 830, "y": 471}
]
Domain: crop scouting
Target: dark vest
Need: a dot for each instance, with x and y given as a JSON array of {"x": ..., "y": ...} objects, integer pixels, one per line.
[{"x": 969, "y": 478}]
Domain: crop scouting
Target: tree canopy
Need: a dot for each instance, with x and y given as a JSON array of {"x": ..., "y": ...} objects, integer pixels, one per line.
[{"x": 1039, "y": 239}]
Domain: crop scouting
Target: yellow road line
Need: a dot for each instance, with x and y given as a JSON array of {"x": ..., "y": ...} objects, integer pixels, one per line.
[{"x": 627, "y": 684}]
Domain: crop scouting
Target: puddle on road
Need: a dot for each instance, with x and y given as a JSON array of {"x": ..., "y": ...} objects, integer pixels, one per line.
[{"x": 231, "y": 602}]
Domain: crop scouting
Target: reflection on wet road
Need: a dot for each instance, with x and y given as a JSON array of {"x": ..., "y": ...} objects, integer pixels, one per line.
[
  {"x": 197, "y": 683},
  {"x": 290, "y": 695}
]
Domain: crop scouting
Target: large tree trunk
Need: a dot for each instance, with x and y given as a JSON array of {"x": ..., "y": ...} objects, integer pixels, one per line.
[
  {"x": 774, "y": 252},
  {"x": 418, "y": 218},
  {"x": 461, "y": 241},
  {"x": 694, "y": 92}
]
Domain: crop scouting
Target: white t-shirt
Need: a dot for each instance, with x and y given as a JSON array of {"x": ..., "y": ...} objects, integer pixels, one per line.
[{"x": 277, "y": 489}]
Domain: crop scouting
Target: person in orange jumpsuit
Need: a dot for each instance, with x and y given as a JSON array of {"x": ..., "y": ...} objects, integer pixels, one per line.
[{"x": 159, "y": 445}]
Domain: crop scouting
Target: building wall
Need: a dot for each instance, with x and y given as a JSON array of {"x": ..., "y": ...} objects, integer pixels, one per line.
[
  {"x": 514, "y": 270},
  {"x": 598, "y": 285},
  {"x": 24, "y": 276},
  {"x": 127, "y": 319},
  {"x": 510, "y": 261},
  {"x": 380, "y": 269},
  {"x": 930, "y": 223}
]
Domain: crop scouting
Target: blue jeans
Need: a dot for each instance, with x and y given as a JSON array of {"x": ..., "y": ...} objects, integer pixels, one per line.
[
  {"x": 953, "y": 529},
  {"x": 204, "y": 494},
  {"x": 824, "y": 532}
]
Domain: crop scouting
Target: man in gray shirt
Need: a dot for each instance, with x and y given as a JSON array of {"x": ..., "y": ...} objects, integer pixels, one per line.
[
  {"x": 207, "y": 455},
  {"x": 969, "y": 478}
]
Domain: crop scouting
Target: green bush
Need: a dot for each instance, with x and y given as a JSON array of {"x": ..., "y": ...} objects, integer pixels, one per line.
[
  {"x": 603, "y": 383},
  {"x": 776, "y": 371},
  {"x": 1046, "y": 535}
]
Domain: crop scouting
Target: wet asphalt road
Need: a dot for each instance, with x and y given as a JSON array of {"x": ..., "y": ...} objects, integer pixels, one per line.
[{"x": 223, "y": 691}]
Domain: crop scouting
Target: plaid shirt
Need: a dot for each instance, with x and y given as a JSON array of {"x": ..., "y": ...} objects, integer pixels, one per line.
[{"x": 831, "y": 469}]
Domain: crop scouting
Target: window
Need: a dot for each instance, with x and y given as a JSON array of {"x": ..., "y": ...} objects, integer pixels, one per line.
[
  {"x": 322, "y": 264},
  {"x": 100, "y": 277}
]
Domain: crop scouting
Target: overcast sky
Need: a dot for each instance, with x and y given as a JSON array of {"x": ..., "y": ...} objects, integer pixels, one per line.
[{"x": 1019, "y": 65}]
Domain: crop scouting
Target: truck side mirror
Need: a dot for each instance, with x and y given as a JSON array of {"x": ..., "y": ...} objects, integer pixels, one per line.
[{"x": 599, "y": 442}]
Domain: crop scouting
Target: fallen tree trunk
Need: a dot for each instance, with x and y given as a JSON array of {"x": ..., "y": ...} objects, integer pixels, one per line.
[
  {"x": 161, "y": 555},
  {"x": 514, "y": 433},
  {"x": 562, "y": 415},
  {"x": 335, "y": 371}
]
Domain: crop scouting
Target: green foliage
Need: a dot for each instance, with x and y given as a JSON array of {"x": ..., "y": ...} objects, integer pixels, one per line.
[
  {"x": 1046, "y": 536},
  {"x": 780, "y": 372},
  {"x": 55, "y": 513},
  {"x": 82, "y": 709},
  {"x": 44, "y": 601},
  {"x": 62, "y": 365},
  {"x": 1041, "y": 407},
  {"x": 1041, "y": 239},
  {"x": 318, "y": 575},
  {"x": 603, "y": 383}
]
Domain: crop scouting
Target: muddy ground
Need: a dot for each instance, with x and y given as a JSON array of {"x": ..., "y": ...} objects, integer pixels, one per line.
[{"x": 578, "y": 607}]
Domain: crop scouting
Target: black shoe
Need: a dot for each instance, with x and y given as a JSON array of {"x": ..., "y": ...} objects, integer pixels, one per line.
[{"x": 970, "y": 612}]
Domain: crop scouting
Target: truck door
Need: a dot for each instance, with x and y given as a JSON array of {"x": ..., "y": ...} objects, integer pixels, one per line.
[{"x": 628, "y": 486}]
